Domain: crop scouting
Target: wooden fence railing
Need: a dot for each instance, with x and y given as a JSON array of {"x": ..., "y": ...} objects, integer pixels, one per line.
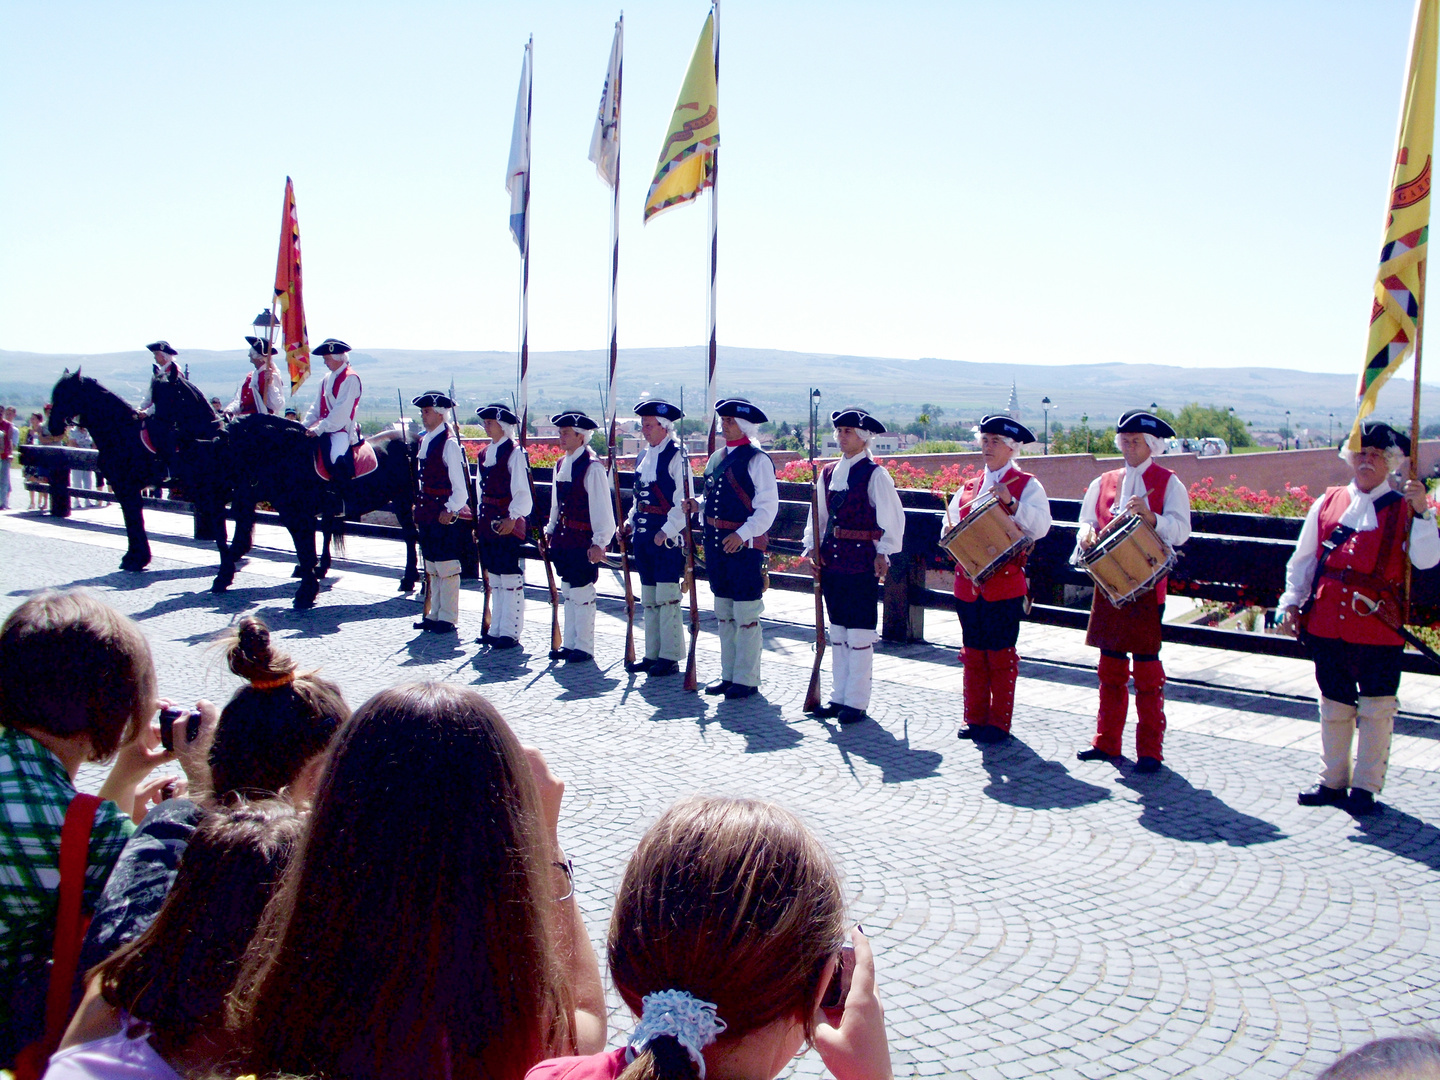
[{"x": 1235, "y": 558}]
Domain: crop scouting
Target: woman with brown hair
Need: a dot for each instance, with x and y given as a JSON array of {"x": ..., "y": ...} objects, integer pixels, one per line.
[
  {"x": 728, "y": 928},
  {"x": 428, "y": 928},
  {"x": 157, "y": 1006}
]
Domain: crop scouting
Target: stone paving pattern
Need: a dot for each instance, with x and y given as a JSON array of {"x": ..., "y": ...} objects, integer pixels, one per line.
[{"x": 1032, "y": 915}]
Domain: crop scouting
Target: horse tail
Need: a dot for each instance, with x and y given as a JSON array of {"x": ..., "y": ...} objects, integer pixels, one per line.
[{"x": 337, "y": 536}]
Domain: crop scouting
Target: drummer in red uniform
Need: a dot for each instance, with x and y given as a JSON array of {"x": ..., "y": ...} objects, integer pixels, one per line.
[
  {"x": 1345, "y": 577},
  {"x": 262, "y": 391},
  {"x": 1157, "y": 496},
  {"x": 990, "y": 614}
]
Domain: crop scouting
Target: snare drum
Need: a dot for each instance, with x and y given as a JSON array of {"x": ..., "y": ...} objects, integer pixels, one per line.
[
  {"x": 1128, "y": 560},
  {"x": 985, "y": 539}
]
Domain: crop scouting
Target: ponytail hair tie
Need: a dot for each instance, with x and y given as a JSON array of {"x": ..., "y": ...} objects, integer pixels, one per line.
[
  {"x": 271, "y": 684},
  {"x": 682, "y": 1016}
]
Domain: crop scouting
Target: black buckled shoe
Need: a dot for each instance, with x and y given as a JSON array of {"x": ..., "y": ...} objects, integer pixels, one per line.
[
  {"x": 559, "y": 654},
  {"x": 827, "y": 712},
  {"x": 989, "y": 735},
  {"x": 848, "y": 714},
  {"x": 1094, "y": 753},
  {"x": 1320, "y": 795},
  {"x": 658, "y": 668},
  {"x": 719, "y": 686},
  {"x": 576, "y": 656},
  {"x": 1362, "y": 802},
  {"x": 423, "y": 624},
  {"x": 503, "y": 643},
  {"x": 1147, "y": 764},
  {"x": 639, "y": 667},
  {"x": 736, "y": 691},
  {"x": 439, "y": 627}
]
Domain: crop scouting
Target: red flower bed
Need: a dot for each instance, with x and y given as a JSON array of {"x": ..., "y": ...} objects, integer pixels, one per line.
[
  {"x": 1290, "y": 501},
  {"x": 906, "y": 474}
]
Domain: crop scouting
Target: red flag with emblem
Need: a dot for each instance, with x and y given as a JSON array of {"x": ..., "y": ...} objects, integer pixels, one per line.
[{"x": 288, "y": 293}]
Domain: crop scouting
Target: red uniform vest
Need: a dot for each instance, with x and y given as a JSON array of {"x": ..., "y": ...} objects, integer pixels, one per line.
[
  {"x": 1008, "y": 582},
  {"x": 1334, "y": 614},
  {"x": 852, "y": 530},
  {"x": 572, "y": 525},
  {"x": 495, "y": 494},
  {"x": 1157, "y": 480},
  {"x": 435, "y": 490},
  {"x": 254, "y": 382},
  {"x": 335, "y": 389}
]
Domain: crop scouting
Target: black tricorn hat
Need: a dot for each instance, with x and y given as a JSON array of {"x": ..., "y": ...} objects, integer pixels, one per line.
[
  {"x": 740, "y": 409},
  {"x": 1000, "y": 424},
  {"x": 260, "y": 345},
  {"x": 574, "y": 418},
  {"x": 656, "y": 407},
  {"x": 330, "y": 347},
  {"x": 1138, "y": 421},
  {"x": 497, "y": 411},
  {"x": 857, "y": 418},
  {"x": 433, "y": 399},
  {"x": 1382, "y": 436},
  {"x": 161, "y": 346}
]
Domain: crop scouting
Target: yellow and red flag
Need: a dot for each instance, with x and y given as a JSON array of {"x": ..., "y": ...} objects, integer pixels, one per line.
[
  {"x": 1398, "y": 306},
  {"x": 687, "y": 159},
  {"x": 289, "y": 294}
]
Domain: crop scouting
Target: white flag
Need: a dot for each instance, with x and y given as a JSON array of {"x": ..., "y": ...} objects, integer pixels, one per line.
[
  {"x": 517, "y": 174},
  {"x": 605, "y": 142}
]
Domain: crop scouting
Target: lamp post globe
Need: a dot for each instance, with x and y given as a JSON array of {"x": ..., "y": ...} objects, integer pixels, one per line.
[{"x": 1046, "y": 405}]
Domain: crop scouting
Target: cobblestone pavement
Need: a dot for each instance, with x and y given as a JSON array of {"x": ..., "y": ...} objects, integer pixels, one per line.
[{"x": 1032, "y": 915}]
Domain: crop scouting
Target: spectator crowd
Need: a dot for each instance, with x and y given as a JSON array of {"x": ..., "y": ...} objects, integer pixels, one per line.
[{"x": 383, "y": 893}]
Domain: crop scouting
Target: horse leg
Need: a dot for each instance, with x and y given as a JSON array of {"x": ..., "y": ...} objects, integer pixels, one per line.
[
  {"x": 137, "y": 554},
  {"x": 229, "y": 553},
  {"x": 303, "y": 533},
  {"x": 326, "y": 532}
]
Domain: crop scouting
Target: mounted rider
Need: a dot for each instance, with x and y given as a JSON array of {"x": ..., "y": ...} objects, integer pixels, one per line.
[
  {"x": 159, "y": 438},
  {"x": 333, "y": 415},
  {"x": 262, "y": 390}
]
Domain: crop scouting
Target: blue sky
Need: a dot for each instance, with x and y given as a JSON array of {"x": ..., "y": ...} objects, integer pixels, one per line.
[{"x": 1193, "y": 183}]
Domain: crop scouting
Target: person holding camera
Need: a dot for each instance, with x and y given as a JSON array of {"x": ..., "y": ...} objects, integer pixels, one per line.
[
  {"x": 270, "y": 739},
  {"x": 77, "y": 685},
  {"x": 729, "y": 943}
]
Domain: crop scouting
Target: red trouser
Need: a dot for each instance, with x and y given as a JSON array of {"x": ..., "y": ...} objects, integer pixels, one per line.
[
  {"x": 1114, "y": 703},
  {"x": 989, "y": 686},
  {"x": 976, "y": 687}
]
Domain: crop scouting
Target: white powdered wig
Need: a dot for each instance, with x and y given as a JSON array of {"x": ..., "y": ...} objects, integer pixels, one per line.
[
  {"x": 1394, "y": 458},
  {"x": 1013, "y": 444},
  {"x": 749, "y": 427},
  {"x": 865, "y": 436},
  {"x": 1157, "y": 445}
]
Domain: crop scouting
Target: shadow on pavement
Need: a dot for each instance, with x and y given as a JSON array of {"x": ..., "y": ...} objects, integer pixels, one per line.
[
  {"x": 668, "y": 698},
  {"x": 331, "y": 618},
  {"x": 1171, "y": 806},
  {"x": 1021, "y": 777},
  {"x": 760, "y": 722},
  {"x": 125, "y": 580},
  {"x": 1401, "y": 834},
  {"x": 581, "y": 681},
  {"x": 502, "y": 665},
  {"x": 892, "y": 755}
]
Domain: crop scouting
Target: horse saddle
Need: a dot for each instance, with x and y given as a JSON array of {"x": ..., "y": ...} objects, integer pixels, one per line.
[{"x": 365, "y": 460}]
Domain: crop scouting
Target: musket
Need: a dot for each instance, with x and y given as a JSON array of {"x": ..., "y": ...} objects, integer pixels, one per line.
[
  {"x": 624, "y": 555},
  {"x": 472, "y": 503},
  {"x": 812, "y": 694},
  {"x": 692, "y": 682}
]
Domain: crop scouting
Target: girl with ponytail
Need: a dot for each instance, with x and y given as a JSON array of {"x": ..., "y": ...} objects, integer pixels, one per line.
[{"x": 727, "y": 931}]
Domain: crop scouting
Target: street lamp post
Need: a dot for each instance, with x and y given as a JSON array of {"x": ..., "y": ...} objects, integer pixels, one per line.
[
  {"x": 1332, "y": 429},
  {"x": 814, "y": 423},
  {"x": 1085, "y": 423},
  {"x": 1045, "y": 404},
  {"x": 1288, "y": 431}
]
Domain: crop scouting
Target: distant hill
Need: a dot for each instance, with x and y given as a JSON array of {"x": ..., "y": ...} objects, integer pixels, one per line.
[{"x": 778, "y": 381}]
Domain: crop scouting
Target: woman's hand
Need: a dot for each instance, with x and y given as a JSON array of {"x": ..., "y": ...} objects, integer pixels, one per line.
[
  {"x": 852, "y": 1042},
  {"x": 194, "y": 755},
  {"x": 551, "y": 790}
]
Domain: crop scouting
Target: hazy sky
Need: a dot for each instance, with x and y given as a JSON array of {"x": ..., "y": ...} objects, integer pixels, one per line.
[{"x": 1199, "y": 183}]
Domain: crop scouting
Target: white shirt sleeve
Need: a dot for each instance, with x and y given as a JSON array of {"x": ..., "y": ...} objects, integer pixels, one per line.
[
  {"x": 602, "y": 504},
  {"x": 1424, "y": 543},
  {"x": 675, "y": 519},
  {"x": 234, "y": 405},
  {"x": 455, "y": 466},
  {"x": 1088, "y": 517},
  {"x": 1173, "y": 524},
  {"x": 766, "y": 502},
  {"x": 313, "y": 412},
  {"x": 1032, "y": 514},
  {"x": 273, "y": 402},
  {"x": 520, "y": 502},
  {"x": 889, "y": 512},
  {"x": 1300, "y": 571},
  {"x": 808, "y": 541}
]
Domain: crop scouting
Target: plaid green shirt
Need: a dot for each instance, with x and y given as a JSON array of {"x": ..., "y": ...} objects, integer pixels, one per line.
[{"x": 34, "y": 794}]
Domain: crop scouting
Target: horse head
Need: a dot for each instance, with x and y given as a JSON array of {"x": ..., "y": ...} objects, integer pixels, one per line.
[{"x": 65, "y": 401}]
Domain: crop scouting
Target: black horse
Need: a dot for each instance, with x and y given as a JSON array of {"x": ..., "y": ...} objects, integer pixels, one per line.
[
  {"x": 125, "y": 461},
  {"x": 272, "y": 460}
]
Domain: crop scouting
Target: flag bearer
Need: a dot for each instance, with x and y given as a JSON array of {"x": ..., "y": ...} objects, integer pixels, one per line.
[
  {"x": 861, "y": 525},
  {"x": 990, "y": 613},
  {"x": 262, "y": 389},
  {"x": 741, "y": 500},
  {"x": 505, "y": 504},
  {"x": 441, "y": 508},
  {"x": 1157, "y": 495},
  {"x": 582, "y": 523},
  {"x": 1343, "y": 596},
  {"x": 657, "y": 526},
  {"x": 333, "y": 415}
]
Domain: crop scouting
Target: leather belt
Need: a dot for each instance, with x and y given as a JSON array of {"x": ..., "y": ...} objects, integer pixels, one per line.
[{"x": 858, "y": 534}]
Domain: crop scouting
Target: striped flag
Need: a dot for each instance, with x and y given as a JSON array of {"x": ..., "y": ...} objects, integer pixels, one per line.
[
  {"x": 517, "y": 172},
  {"x": 288, "y": 293},
  {"x": 1396, "y": 311},
  {"x": 686, "y": 165},
  {"x": 605, "y": 140}
]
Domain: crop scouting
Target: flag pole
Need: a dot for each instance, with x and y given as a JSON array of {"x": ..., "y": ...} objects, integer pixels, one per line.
[
  {"x": 525, "y": 254},
  {"x": 714, "y": 243}
]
